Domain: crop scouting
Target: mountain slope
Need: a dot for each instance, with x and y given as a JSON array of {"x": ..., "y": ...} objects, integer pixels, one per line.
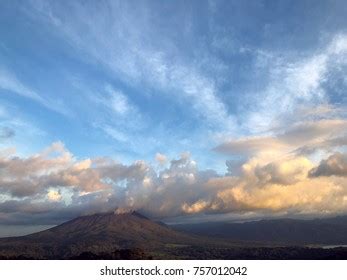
[
  {"x": 287, "y": 231},
  {"x": 95, "y": 233}
]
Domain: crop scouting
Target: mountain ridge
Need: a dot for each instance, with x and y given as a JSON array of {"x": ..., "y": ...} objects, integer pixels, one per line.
[{"x": 332, "y": 230}]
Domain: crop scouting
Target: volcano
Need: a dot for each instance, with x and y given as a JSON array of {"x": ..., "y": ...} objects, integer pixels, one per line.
[
  {"x": 130, "y": 235},
  {"x": 94, "y": 234}
]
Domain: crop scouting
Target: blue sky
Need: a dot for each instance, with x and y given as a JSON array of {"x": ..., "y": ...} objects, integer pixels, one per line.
[
  {"x": 215, "y": 81},
  {"x": 188, "y": 73}
]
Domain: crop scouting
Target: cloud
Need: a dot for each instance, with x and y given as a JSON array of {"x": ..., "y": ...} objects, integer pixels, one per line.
[
  {"x": 250, "y": 145},
  {"x": 196, "y": 207},
  {"x": 161, "y": 158},
  {"x": 313, "y": 196},
  {"x": 52, "y": 186},
  {"x": 134, "y": 58},
  {"x": 54, "y": 195},
  {"x": 283, "y": 172},
  {"x": 54, "y": 181},
  {"x": 292, "y": 81},
  {"x": 113, "y": 132},
  {"x": 117, "y": 116},
  {"x": 334, "y": 165},
  {"x": 9, "y": 82},
  {"x": 279, "y": 187},
  {"x": 6, "y": 133},
  {"x": 116, "y": 101},
  {"x": 299, "y": 137}
]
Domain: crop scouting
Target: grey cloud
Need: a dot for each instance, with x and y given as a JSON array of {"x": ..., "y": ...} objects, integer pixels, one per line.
[{"x": 335, "y": 165}]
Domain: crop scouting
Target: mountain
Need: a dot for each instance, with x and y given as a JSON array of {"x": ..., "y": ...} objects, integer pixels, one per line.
[
  {"x": 332, "y": 231},
  {"x": 133, "y": 236},
  {"x": 98, "y": 233}
]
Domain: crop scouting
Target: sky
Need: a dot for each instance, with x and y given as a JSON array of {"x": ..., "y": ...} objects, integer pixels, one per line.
[{"x": 186, "y": 111}]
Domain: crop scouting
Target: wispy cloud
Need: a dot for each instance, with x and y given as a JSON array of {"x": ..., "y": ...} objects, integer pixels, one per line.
[
  {"x": 133, "y": 58},
  {"x": 9, "y": 82},
  {"x": 294, "y": 81},
  {"x": 118, "y": 102}
]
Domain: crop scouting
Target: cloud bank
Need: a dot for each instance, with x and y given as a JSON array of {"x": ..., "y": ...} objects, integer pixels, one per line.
[{"x": 297, "y": 170}]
